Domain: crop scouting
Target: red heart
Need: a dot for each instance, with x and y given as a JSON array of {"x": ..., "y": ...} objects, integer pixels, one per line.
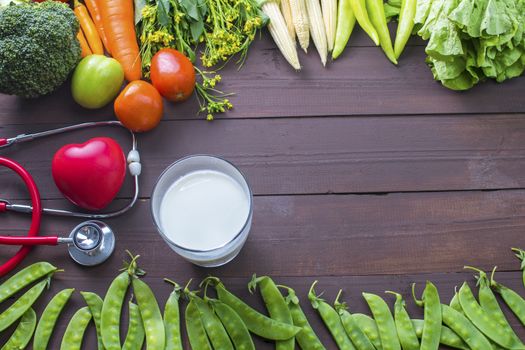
[{"x": 90, "y": 174}]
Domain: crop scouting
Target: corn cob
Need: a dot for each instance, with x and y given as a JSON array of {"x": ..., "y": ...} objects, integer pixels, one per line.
[
  {"x": 279, "y": 32},
  {"x": 300, "y": 22},
  {"x": 317, "y": 28},
  {"x": 287, "y": 14},
  {"x": 329, "y": 8}
]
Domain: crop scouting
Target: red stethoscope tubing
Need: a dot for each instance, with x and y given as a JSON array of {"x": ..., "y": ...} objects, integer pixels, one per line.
[{"x": 31, "y": 239}]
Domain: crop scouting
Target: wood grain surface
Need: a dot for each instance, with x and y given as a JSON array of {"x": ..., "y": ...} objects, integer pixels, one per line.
[{"x": 367, "y": 177}]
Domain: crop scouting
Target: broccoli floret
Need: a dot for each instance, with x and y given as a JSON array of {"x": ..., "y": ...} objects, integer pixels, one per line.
[{"x": 38, "y": 47}]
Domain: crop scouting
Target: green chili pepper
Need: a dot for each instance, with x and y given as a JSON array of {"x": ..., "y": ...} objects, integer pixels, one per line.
[
  {"x": 376, "y": 11},
  {"x": 345, "y": 26},
  {"x": 361, "y": 14},
  {"x": 405, "y": 25},
  {"x": 23, "y": 332}
]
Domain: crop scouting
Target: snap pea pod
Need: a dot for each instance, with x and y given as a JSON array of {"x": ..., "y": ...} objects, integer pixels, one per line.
[
  {"x": 151, "y": 315},
  {"x": 432, "y": 316},
  {"x": 465, "y": 329},
  {"x": 345, "y": 26},
  {"x": 331, "y": 320},
  {"x": 513, "y": 300},
  {"x": 111, "y": 310},
  {"x": 172, "y": 319},
  {"x": 384, "y": 320},
  {"x": 369, "y": 327},
  {"x": 256, "y": 322},
  {"x": 454, "y": 303},
  {"x": 195, "y": 329},
  {"x": 448, "y": 337},
  {"x": 361, "y": 14},
  {"x": 276, "y": 306},
  {"x": 376, "y": 11},
  {"x": 25, "y": 277},
  {"x": 94, "y": 302},
  {"x": 23, "y": 332},
  {"x": 306, "y": 338},
  {"x": 405, "y": 330},
  {"x": 485, "y": 321},
  {"x": 520, "y": 254},
  {"x": 135, "y": 336},
  {"x": 233, "y": 324},
  {"x": 75, "y": 330},
  {"x": 19, "y": 307},
  {"x": 49, "y": 318},
  {"x": 356, "y": 335},
  {"x": 405, "y": 25}
]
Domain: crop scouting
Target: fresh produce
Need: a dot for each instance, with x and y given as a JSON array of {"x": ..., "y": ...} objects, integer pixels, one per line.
[
  {"x": 38, "y": 47},
  {"x": 513, "y": 300},
  {"x": 75, "y": 330},
  {"x": 233, "y": 324},
  {"x": 405, "y": 329},
  {"x": 286, "y": 10},
  {"x": 173, "y": 75},
  {"x": 369, "y": 327},
  {"x": 317, "y": 28},
  {"x": 345, "y": 25},
  {"x": 356, "y": 335},
  {"x": 24, "y": 278},
  {"x": 136, "y": 334},
  {"x": 405, "y": 25},
  {"x": 49, "y": 318},
  {"x": 195, "y": 328},
  {"x": 466, "y": 330},
  {"x": 361, "y": 14},
  {"x": 172, "y": 318},
  {"x": 279, "y": 32},
  {"x": 88, "y": 28},
  {"x": 119, "y": 25},
  {"x": 94, "y": 302},
  {"x": 433, "y": 318},
  {"x": 301, "y": 23},
  {"x": 96, "y": 81},
  {"x": 23, "y": 332},
  {"x": 385, "y": 322},
  {"x": 447, "y": 337},
  {"x": 139, "y": 106},
  {"x": 150, "y": 313},
  {"x": 469, "y": 41},
  {"x": 520, "y": 254},
  {"x": 86, "y": 51},
  {"x": 94, "y": 11},
  {"x": 329, "y": 9},
  {"x": 376, "y": 11}
]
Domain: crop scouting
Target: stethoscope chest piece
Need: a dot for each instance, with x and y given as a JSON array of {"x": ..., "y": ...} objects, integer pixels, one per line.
[{"x": 91, "y": 243}]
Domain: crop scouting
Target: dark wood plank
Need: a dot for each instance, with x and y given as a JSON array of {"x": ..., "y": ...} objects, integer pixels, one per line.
[
  {"x": 320, "y": 155},
  {"x": 362, "y": 82}
]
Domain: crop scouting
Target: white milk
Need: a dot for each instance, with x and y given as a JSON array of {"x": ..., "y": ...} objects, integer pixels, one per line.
[{"x": 204, "y": 210}]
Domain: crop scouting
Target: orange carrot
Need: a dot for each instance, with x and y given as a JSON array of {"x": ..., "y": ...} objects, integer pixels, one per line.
[
  {"x": 119, "y": 24},
  {"x": 86, "y": 51},
  {"x": 88, "y": 28},
  {"x": 94, "y": 11}
]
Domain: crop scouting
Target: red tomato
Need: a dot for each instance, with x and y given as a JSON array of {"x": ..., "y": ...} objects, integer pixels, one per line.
[
  {"x": 139, "y": 106},
  {"x": 173, "y": 75}
]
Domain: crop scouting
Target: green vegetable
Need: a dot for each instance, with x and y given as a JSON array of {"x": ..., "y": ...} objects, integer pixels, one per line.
[
  {"x": 406, "y": 24},
  {"x": 345, "y": 26},
  {"x": 376, "y": 11},
  {"x": 38, "y": 47}
]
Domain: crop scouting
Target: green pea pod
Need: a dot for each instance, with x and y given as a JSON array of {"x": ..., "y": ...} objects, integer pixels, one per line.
[
  {"x": 433, "y": 317},
  {"x": 276, "y": 306},
  {"x": 331, "y": 320},
  {"x": 172, "y": 319},
  {"x": 256, "y": 322},
  {"x": 49, "y": 318},
  {"x": 19, "y": 307},
  {"x": 520, "y": 254},
  {"x": 75, "y": 330},
  {"x": 465, "y": 329},
  {"x": 356, "y": 334},
  {"x": 361, "y": 14},
  {"x": 405, "y": 329},
  {"x": 233, "y": 324},
  {"x": 345, "y": 26},
  {"x": 212, "y": 324},
  {"x": 195, "y": 329},
  {"x": 135, "y": 336},
  {"x": 384, "y": 320},
  {"x": 94, "y": 302},
  {"x": 405, "y": 25},
  {"x": 376, "y": 11},
  {"x": 151, "y": 315},
  {"x": 369, "y": 327},
  {"x": 306, "y": 338},
  {"x": 23, "y": 332},
  {"x": 25, "y": 277},
  {"x": 111, "y": 310},
  {"x": 448, "y": 336},
  {"x": 513, "y": 300},
  {"x": 454, "y": 303}
]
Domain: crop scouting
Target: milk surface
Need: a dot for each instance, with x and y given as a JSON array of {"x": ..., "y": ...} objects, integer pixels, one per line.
[{"x": 204, "y": 210}]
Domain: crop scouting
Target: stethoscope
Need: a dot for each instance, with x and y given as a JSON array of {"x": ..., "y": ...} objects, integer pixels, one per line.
[{"x": 90, "y": 243}]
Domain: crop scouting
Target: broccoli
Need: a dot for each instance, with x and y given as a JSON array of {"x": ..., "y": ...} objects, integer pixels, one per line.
[{"x": 38, "y": 47}]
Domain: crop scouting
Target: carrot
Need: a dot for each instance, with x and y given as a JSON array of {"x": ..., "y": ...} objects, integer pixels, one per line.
[
  {"x": 94, "y": 11},
  {"x": 119, "y": 24},
  {"x": 86, "y": 51},
  {"x": 89, "y": 29}
]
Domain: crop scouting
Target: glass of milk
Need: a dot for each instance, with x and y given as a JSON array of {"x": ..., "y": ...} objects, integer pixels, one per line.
[{"x": 203, "y": 206}]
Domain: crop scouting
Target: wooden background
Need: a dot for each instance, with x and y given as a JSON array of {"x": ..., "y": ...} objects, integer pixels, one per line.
[{"x": 366, "y": 176}]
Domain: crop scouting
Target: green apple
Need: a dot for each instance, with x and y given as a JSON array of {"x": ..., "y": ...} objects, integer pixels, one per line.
[{"x": 96, "y": 81}]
